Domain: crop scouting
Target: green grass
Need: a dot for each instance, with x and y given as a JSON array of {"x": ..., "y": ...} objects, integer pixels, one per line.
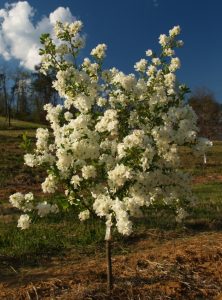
[
  {"x": 208, "y": 203},
  {"x": 57, "y": 234},
  {"x": 11, "y": 159},
  {"x": 17, "y": 133},
  {"x": 195, "y": 165},
  {"x": 18, "y": 124},
  {"x": 53, "y": 235}
]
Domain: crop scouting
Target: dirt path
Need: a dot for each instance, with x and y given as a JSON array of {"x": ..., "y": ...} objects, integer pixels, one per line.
[{"x": 157, "y": 268}]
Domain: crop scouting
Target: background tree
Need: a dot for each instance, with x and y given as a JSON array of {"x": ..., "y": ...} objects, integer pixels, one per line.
[
  {"x": 42, "y": 92},
  {"x": 6, "y": 100},
  {"x": 208, "y": 111},
  {"x": 22, "y": 90},
  {"x": 23, "y": 94}
]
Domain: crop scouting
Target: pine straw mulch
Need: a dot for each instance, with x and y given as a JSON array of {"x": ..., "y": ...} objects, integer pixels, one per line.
[{"x": 158, "y": 267}]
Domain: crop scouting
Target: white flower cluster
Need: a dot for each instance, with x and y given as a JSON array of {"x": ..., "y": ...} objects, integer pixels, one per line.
[
  {"x": 99, "y": 51},
  {"x": 26, "y": 203},
  {"x": 119, "y": 175},
  {"x": 50, "y": 184},
  {"x": 84, "y": 215},
  {"x": 24, "y": 222},
  {"x": 23, "y": 202},
  {"x": 114, "y": 142},
  {"x": 88, "y": 172},
  {"x": 45, "y": 208}
]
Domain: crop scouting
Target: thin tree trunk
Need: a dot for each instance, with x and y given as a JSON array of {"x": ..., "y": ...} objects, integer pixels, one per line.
[
  {"x": 108, "y": 239},
  {"x": 9, "y": 115},
  {"x": 109, "y": 267},
  {"x": 5, "y": 95}
]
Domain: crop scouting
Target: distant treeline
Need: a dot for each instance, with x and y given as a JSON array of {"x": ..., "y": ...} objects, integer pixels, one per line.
[
  {"x": 209, "y": 113},
  {"x": 23, "y": 95}
]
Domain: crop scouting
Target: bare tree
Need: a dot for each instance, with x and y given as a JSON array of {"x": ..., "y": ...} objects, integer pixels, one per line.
[
  {"x": 42, "y": 91},
  {"x": 7, "y": 99},
  {"x": 207, "y": 109}
]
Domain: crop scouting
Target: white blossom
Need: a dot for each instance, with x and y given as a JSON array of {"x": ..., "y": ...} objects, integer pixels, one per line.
[
  {"x": 119, "y": 175},
  {"x": 88, "y": 172},
  {"x": 102, "y": 205},
  {"x": 156, "y": 61},
  {"x": 24, "y": 222},
  {"x": 174, "y": 64},
  {"x": 50, "y": 184},
  {"x": 109, "y": 122},
  {"x": 75, "y": 27},
  {"x": 16, "y": 199},
  {"x": 45, "y": 208},
  {"x": 30, "y": 160},
  {"x": 84, "y": 215},
  {"x": 141, "y": 65},
  {"x": 99, "y": 51},
  {"x": 76, "y": 180},
  {"x": 174, "y": 31},
  {"x": 149, "y": 52},
  {"x": 163, "y": 40}
]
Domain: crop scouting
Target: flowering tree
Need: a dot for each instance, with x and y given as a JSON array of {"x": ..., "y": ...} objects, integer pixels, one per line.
[{"x": 113, "y": 144}]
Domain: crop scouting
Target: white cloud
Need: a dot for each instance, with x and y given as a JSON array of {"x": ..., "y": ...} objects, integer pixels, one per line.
[{"x": 19, "y": 36}]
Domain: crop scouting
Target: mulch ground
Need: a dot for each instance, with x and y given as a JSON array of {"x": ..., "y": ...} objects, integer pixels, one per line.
[{"x": 160, "y": 266}]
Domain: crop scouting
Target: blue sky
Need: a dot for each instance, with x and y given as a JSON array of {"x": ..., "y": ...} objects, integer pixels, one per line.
[{"x": 130, "y": 27}]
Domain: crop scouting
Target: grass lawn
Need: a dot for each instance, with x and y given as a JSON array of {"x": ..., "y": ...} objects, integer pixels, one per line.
[{"x": 18, "y": 124}]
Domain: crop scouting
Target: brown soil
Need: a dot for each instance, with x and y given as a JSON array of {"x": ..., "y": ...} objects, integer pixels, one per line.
[
  {"x": 164, "y": 266},
  {"x": 207, "y": 179}
]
